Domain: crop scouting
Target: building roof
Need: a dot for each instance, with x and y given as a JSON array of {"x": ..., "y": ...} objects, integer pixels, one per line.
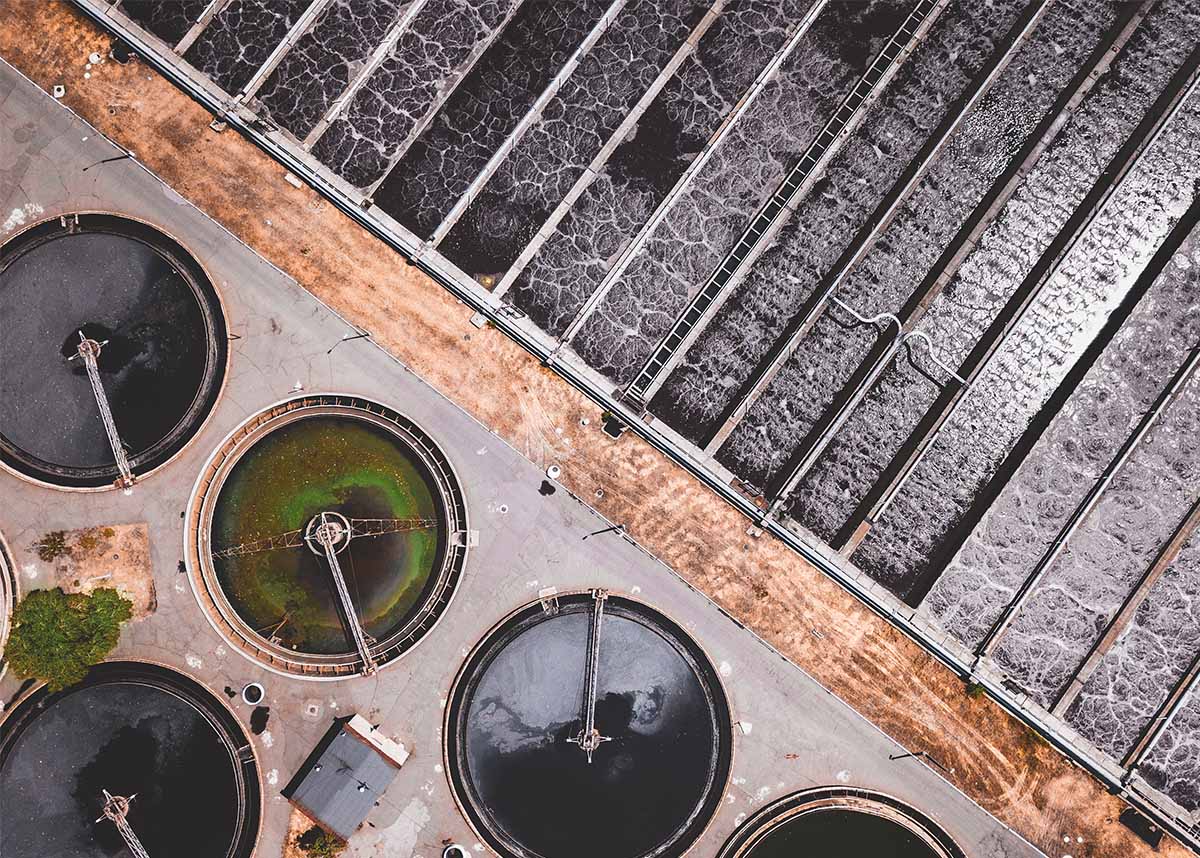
[{"x": 346, "y": 775}]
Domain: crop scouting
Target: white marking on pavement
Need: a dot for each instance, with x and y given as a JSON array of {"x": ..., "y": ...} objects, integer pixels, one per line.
[{"x": 20, "y": 215}]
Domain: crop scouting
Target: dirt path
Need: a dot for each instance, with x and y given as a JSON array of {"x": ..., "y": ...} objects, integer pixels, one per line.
[{"x": 867, "y": 662}]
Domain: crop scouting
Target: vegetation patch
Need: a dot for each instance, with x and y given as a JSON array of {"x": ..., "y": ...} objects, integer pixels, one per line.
[
  {"x": 57, "y": 636},
  {"x": 52, "y": 546},
  {"x": 319, "y": 843},
  {"x": 115, "y": 556}
]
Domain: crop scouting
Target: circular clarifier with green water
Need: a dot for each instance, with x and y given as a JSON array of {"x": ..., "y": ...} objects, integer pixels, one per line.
[
  {"x": 325, "y": 464},
  {"x": 374, "y": 471}
]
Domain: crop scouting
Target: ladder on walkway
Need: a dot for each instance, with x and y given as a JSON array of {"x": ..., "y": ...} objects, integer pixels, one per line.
[
  {"x": 589, "y": 738},
  {"x": 332, "y": 535},
  {"x": 89, "y": 352},
  {"x": 116, "y": 809}
]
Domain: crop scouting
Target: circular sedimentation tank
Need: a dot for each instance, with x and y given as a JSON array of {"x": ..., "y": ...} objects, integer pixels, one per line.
[
  {"x": 137, "y": 731},
  {"x": 345, "y": 469},
  {"x": 839, "y": 821},
  {"x": 589, "y": 726},
  {"x": 146, "y": 310}
]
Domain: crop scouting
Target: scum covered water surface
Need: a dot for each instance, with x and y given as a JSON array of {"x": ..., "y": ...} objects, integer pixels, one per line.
[
  {"x": 129, "y": 739},
  {"x": 647, "y": 791},
  {"x": 156, "y": 365}
]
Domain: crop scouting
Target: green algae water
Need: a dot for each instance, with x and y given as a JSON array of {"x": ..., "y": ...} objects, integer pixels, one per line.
[{"x": 326, "y": 463}]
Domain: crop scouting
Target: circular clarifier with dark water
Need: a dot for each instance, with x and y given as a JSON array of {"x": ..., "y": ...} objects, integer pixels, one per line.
[
  {"x": 838, "y": 821},
  {"x": 518, "y": 748},
  {"x": 363, "y": 470},
  {"x": 161, "y": 362},
  {"x": 137, "y": 731}
]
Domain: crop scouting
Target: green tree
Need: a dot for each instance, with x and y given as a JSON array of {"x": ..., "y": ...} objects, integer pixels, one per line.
[
  {"x": 57, "y": 636},
  {"x": 319, "y": 843}
]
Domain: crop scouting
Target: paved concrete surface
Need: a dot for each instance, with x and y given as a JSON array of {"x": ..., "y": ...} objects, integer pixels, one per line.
[{"x": 796, "y": 734}]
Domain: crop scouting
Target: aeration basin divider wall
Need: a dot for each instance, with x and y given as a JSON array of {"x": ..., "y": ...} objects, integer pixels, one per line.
[
  {"x": 653, "y": 372},
  {"x": 1172, "y": 819}
]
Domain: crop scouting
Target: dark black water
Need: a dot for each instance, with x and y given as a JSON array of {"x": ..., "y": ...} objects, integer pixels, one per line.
[
  {"x": 641, "y": 171},
  {"x": 538, "y": 173},
  {"x": 129, "y": 739},
  {"x": 159, "y": 368},
  {"x": 320, "y": 66},
  {"x": 430, "y": 58},
  {"x": 651, "y": 787},
  {"x": 241, "y": 37},
  {"x": 169, "y": 21},
  {"x": 840, "y": 833},
  {"x": 485, "y": 108}
]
